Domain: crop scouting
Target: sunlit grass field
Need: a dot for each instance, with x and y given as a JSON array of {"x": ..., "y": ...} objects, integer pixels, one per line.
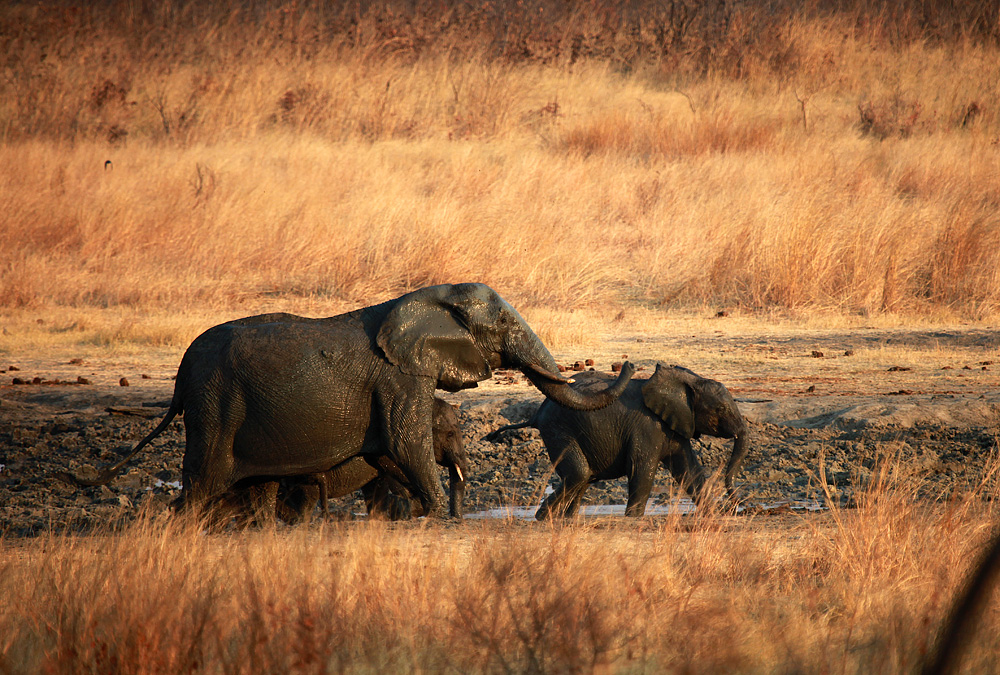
[
  {"x": 229, "y": 157},
  {"x": 862, "y": 590}
]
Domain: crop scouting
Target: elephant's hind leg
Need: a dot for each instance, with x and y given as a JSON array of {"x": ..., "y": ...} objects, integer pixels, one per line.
[
  {"x": 573, "y": 468},
  {"x": 573, "y": 507},
  {"x": 207, "y": 466}
]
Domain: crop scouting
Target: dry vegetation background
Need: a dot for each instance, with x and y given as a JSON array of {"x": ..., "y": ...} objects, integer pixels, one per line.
[
  {"x": 169, "y": 160},
  {"x": 166, "y": 155}
]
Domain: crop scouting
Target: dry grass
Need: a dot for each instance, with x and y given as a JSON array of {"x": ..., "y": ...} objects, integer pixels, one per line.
[
  {"x": 819, "y": 156},
  {"x": 859, "y": 590}
]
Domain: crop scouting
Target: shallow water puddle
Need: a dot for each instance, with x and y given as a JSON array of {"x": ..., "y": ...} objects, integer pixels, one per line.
[
  {"x": 174, "y": 484},
  {"x": 677, "y": 506},
  {"x": 528, "y": 512}
]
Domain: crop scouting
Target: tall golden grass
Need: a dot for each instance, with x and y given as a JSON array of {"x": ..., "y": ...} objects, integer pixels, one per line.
[
  {"x": 853, "y": 590},
  {"x": 755, "y": 155}
]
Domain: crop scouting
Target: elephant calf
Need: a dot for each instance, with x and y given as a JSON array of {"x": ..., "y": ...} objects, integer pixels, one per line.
[
  {"x": 652, "y": 423},
  {"x": 385, "y": 487}
]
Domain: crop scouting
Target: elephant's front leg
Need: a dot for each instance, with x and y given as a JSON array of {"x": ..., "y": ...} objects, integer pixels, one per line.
[
  {"x": 685, "y": 468},
  {"x": 640, "y": 485},
  {"x": 406, "y": 408}
]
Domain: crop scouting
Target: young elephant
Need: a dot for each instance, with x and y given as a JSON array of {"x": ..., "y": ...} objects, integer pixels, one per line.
[
  {"x": 652, "y": 422},
  {"x": 385, "y": 487}
]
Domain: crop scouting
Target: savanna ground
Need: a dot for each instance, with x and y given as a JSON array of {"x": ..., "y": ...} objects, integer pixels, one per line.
[{"x": 798, "y": 199}]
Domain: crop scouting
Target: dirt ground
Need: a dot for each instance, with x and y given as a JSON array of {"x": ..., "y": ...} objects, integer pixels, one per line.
[{"x": 839, "y": 401}]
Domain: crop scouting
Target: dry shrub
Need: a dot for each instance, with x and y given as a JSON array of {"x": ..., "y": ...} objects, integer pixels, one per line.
[
  {"x": 654, "y": 136},
  {"x": 892, "y": 117},
  {"x": 178, "y": 66},
  {"x": 523, "y": 609},
  {"x": 961, "y": 265}
]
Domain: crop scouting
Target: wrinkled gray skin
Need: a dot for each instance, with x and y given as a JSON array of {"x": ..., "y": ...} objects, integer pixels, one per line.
[
  {"x": 382, "y": 483},
  {"x": 278, "y": 395},
  {"x": 652, "y": 423}
]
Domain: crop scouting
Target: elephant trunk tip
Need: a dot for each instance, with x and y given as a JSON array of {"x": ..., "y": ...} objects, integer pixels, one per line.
[
  {"x": 550, "y": 376},
  {"x": 741, "y": 448}
]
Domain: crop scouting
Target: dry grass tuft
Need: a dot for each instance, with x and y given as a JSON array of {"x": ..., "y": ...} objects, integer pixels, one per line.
[{"x": 857, "y": 590}]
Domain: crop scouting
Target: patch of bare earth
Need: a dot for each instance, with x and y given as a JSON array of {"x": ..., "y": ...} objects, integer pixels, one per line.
[{"x": 829, "y": 403}]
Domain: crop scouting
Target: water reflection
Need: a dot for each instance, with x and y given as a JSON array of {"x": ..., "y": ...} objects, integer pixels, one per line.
[{"x": 677, "y": 506}]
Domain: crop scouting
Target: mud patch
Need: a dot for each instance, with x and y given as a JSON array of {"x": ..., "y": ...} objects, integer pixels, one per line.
[{"x": 835, "y": 416}]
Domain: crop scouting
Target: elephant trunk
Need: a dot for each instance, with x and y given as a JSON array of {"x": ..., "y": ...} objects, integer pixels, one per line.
[
  {"x": 741, "y": 446},
  {"x": 522, "y": 349},
  {"x": 456, "y": 477},
  {"x": 556, "y": 388}
]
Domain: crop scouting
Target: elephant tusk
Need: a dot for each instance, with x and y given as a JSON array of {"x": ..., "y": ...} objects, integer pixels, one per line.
[
  {"x": 458, "y": 469},
  {"x": 549, "y": 376}
]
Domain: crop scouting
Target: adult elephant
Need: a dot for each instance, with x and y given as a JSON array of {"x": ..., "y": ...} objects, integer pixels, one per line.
[
  {"x": 279, "y": 395},
  {"x": 652, "y": 423}
]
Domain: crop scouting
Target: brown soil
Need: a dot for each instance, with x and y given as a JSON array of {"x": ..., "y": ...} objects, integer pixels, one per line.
[{"x": 837, "y": 400}]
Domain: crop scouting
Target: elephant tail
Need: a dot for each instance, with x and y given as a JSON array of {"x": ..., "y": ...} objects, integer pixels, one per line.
[
  {"x": 494, "y": 436},
  {"x": 107, "y": 474}
]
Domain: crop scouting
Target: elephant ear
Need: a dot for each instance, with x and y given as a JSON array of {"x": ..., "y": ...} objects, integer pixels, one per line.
[
  {"x": 425, "y": 334},
  {"x": 668, "y": 395}
]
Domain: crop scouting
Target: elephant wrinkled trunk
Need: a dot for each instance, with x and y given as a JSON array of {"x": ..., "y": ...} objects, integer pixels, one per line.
[
  {"x": 741, "y": 446},
  {"x": 569, "y": 397},
  {"x": 457, "y": 494},
  {"x": 458, "y": 469}
]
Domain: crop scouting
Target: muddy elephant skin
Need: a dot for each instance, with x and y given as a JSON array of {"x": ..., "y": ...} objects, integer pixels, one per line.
[
  {"x": 652, "y": 423},
  {"x": 385, "y": 491},
  {"x": 279, "y": 395}
]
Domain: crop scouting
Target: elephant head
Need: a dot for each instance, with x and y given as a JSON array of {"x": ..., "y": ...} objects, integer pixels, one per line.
[
  {"x": 458, "y": 333},
  {"x": 449, "y": 451},
  {"x": 691, "y": 405}
]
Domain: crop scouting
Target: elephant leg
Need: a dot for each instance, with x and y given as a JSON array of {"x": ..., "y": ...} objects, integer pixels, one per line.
[
  {"x": 263, "y": 500},
  {"x": 324, "y": 494},
  {"x": 299, "y": 504},
  {"x": 386, "y": 497},
  {"x": 573, "y": 507},
  {"x": 640, "y": 486},
  {"x": 207, "y": 465},
  {"x": 407, "y": 435},
  {"x": 684, "y": 466},
  {"x": 376, "y": 494},
  {"x": 201, "y": 490},
  {"x": 572, "y": 466}
]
